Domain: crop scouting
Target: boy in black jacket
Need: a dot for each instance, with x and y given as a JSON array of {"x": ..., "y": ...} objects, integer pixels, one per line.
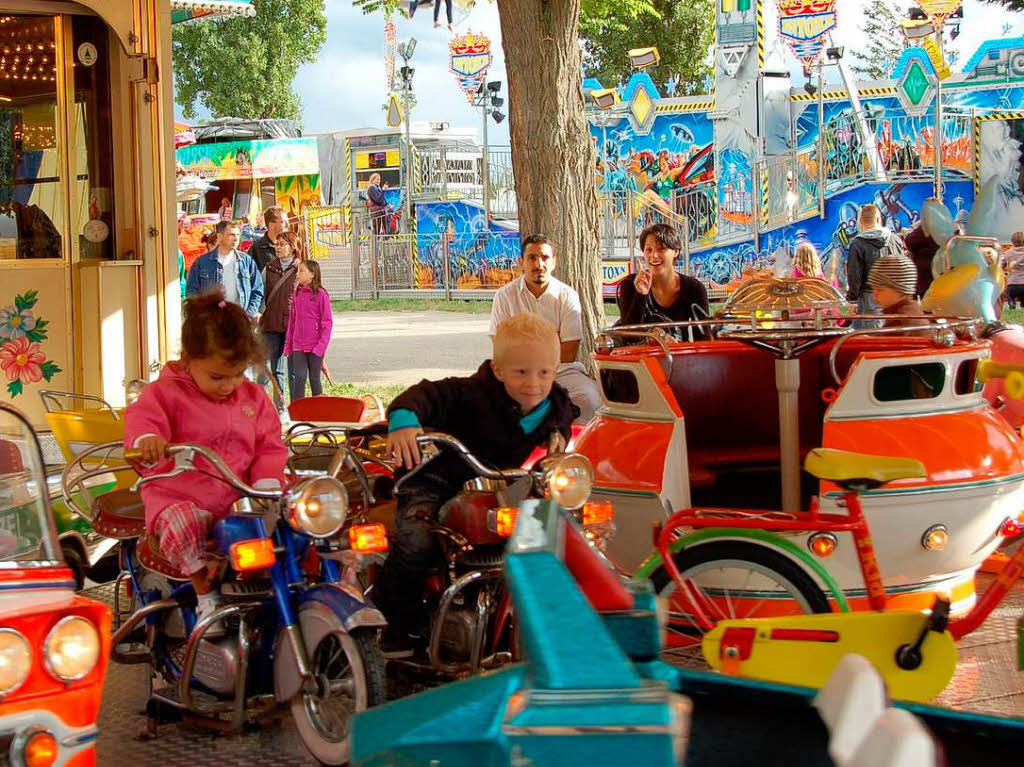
[{"x": 501, "y": 413}]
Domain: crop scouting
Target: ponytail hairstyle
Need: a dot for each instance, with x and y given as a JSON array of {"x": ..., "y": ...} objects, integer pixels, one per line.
[{"x": 214, "y": 326}]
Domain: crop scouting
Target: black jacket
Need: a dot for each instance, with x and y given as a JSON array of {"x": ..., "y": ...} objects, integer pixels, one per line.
[
  {"x": 262, "y": 252},
  {"x": 479, "y": 412},
  {"x": 638, "y": 309},
  {"x": 865, "y": 249}
]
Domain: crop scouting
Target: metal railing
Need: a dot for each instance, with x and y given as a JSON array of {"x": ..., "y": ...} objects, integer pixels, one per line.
[
  {"x": 793, "y": 189},
  {"x": 435, "y": 264},
  {"x": 454, "y": 172},
  {"x": 905, "y": 146}
]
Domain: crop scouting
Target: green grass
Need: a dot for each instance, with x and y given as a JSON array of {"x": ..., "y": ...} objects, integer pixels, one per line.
[
  {"x": 412, "y": 305},
  {"x": 1013, "y": 315},
  {"x": 428, "y": 305},
  {"x": 385, "y": 391}
]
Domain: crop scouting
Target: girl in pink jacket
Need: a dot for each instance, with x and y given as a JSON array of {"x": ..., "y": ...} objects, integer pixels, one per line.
[
  {"x": 205, "y": 398},
  {"x": 309, "y": 331}
]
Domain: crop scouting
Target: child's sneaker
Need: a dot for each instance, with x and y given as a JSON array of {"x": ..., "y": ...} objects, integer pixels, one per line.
[{"x": 209, "y": 603}]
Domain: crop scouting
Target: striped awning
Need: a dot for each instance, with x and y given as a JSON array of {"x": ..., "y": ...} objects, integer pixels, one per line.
[{"x": 190, "y": 10}]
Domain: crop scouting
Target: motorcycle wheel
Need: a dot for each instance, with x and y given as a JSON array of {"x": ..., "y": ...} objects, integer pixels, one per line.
[{"x": 349, "y": 670}]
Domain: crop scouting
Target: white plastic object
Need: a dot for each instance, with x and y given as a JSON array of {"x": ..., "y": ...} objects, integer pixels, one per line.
[
  {"x": 849, "y": 703},
  {"x": 898, "y": 739}
]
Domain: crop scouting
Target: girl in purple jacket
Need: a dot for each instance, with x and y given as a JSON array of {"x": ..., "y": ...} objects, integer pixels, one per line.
[{"x": 309, "y": 330}]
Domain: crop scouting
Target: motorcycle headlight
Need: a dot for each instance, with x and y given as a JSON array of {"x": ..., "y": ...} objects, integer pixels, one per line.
[
  {"x": 72, "y": 648},
  {"x": 570, "y": 479},
  {"x": 15, "y": 660},
  {"x": 318, "y": 507}
]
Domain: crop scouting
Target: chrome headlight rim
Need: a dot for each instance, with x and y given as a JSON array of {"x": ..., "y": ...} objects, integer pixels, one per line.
[
  {"x": 301, "y": 493},
  {"x": 28, "y": 669},
  {"x": 560, "y": 462},
  {"x": 50, "y": 637}
]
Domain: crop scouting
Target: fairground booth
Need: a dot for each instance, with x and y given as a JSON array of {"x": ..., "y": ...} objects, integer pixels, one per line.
[{"x": 89, "y": 291}]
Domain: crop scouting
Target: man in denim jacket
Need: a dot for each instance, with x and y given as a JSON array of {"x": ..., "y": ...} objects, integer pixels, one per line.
[{"x": 233, "y": 270}]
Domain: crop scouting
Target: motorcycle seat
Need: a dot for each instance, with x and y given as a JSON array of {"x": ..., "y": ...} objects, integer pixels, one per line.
[
  {"x": 153, "y": 559},
  {"x": 119, "y": 514}
]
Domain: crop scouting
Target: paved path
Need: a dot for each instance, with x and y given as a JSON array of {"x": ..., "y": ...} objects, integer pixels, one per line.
[{"x": 404, "y": 347}]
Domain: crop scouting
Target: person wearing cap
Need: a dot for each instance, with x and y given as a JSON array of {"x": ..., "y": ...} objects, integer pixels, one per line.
[{"x": 893, "y": 281}]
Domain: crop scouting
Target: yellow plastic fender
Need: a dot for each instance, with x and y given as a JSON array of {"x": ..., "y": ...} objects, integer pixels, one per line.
[{"x": 805, "y": 649}]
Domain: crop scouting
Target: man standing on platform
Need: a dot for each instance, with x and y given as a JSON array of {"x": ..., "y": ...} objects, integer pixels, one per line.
[{"x": 540, "y": 293}]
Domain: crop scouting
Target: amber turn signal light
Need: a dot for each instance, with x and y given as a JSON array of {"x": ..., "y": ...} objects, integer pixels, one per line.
[
  {"x": 40, "y": 750},
  {"x": 598, "y": 512},
  {"x": 368, "y": 538},
  {"x": 257, "y": 554},
  {"x": 505, "y": 520},
  {"x": 822, "y": 544}
]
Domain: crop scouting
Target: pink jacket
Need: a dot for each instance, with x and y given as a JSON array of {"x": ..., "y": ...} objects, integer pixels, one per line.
[
  {"x": 244, "y": 430},
  {"x": 309, "y": 323}
]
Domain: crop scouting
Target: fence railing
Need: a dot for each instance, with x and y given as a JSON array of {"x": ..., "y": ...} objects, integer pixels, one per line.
[
  {"x": 905, "y": 145},
  {"x": 793, "y": 189},
  {"x": 436, "y": 263},
  {"x": 455, "y": 172}
]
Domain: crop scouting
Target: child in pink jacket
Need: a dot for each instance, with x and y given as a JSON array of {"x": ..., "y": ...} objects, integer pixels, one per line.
[
  {"x": 205, "y": 398},
  {"x": 309, "y": 331}
]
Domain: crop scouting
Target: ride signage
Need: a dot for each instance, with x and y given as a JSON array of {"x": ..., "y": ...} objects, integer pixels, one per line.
[
  {"x": 803, "y": 25},
  {"x": 469, "y": 58}
]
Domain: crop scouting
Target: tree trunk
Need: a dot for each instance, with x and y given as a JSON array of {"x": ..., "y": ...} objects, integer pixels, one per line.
[{"x": 552, "y": 154}]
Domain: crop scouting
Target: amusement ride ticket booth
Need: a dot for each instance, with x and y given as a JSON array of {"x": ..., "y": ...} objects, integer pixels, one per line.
[{"x": 89, "y": 290}]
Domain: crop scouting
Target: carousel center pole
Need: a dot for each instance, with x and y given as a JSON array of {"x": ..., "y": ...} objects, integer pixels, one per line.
[{"x": 787, "y": 381}]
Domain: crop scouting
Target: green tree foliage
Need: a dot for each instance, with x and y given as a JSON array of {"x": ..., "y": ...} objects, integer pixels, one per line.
[
  {"x": 245, "y": 66},
  {"x": 682, "y": 31},
  {"x": 884, "y": 42}
]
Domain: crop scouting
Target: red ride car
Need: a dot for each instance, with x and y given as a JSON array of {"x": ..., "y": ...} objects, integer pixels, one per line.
[{"x": 54, "y": 644}]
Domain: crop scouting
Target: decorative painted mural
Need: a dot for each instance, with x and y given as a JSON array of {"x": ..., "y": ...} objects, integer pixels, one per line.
[
  {"x": 22, "y": 334},
  {"x": 456, "y": 233}
]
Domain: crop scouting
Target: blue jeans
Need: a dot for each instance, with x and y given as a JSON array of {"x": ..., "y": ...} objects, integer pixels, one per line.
[
  {"x": 866, "y": 305},
  {"x": 277, "y": 363}
]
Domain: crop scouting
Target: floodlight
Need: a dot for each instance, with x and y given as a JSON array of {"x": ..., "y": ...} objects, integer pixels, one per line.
[
  {"x": 406, "y": 49},
  {"x": 835, "y": 52},
  {"x": 497, "y": 101},
  {"x": 407, "y": 72},
  {"x": 606, "y": 98},
  {"x": 641, "y": 58},
  {"x": 810, "y": 88},
  {"x": 498, "y": 116},
  {"x": 494, "y": 86}
]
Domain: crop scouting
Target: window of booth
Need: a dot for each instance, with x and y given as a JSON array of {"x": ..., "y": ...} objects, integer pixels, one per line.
[
  {"x": 32, "y": 209},
  {"x": 91, "y": 126}
]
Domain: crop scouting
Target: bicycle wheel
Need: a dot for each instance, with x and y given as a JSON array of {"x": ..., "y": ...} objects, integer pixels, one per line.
[{"x": 739, "y": 580}]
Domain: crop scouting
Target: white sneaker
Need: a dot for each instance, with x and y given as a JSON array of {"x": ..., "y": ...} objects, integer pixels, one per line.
[{"x": 206, "y": 607}]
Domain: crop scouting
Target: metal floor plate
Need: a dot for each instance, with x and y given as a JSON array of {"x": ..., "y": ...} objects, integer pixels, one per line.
[{"x": 987, "y": 680}]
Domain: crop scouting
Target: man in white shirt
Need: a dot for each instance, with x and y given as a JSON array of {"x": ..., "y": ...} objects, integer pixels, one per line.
[
  {"x": 540, "y": 293},
  {"x": 232, "y": 269}
]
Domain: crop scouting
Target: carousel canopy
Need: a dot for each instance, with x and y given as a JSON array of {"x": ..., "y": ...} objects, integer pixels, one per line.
[{"x": 190, "y": 10}]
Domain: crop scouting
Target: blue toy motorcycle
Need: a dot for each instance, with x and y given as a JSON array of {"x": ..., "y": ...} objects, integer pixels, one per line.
[{"x": 298, "y": 630}]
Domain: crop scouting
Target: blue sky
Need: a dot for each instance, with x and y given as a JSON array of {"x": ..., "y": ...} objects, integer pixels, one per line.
[{"x": 346, "y": 87}]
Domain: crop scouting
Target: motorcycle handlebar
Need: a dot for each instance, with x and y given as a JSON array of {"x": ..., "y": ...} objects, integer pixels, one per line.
[
  {"x": 186, "y": 449},
  {"x": 447, "y": 440}
]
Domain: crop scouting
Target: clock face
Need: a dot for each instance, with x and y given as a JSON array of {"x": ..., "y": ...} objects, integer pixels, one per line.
[{"x": 96, "y": 231}]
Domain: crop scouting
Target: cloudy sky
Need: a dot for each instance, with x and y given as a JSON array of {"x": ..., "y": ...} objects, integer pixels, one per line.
[{"x": 346, "y": 88}]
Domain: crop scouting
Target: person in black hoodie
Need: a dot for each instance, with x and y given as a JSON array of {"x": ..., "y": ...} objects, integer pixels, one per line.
[
  {"x": 501, "y": 413},
  {"x": 865, "y": 249}
]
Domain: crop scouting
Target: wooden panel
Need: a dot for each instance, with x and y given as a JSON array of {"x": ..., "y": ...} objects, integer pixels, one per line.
[{"x": 34, "y": 348}]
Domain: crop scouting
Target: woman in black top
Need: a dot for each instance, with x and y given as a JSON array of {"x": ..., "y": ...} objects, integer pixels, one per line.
[{"x": 659, "y": 293}]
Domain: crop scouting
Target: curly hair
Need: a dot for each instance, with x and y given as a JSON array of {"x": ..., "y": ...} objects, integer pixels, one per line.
[{"x": 216, "y": 326}]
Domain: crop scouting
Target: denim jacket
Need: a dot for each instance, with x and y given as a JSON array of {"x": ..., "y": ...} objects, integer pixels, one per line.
[{"x": 206, "y": 273}]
